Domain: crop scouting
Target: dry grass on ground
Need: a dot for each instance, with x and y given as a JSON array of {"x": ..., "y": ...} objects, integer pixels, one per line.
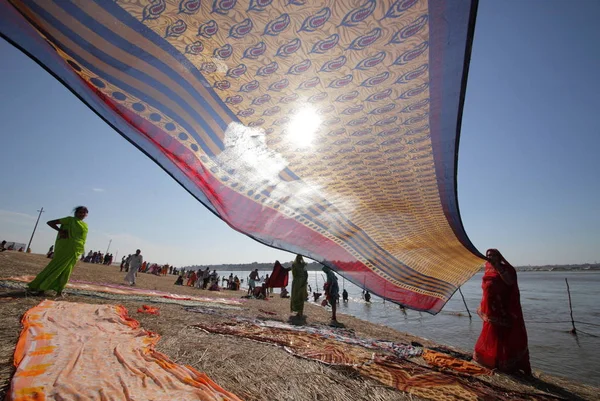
[{"x": 252, "y": 370}]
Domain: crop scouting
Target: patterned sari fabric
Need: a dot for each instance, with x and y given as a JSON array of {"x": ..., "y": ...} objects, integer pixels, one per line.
[
  {"x": 390, "y": 370},
  {"x": 113, "y": 291},
  {"x": 326, "y": 128},
  {"x": 445, "y": 361},
  {"x": 80, "y": 351}
]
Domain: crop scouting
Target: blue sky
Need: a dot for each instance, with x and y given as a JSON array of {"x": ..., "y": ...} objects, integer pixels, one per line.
[{"x": 528, "y": 161}]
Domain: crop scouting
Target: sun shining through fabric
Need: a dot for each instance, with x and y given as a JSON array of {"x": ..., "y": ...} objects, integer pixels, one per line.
[{"x": 326, "y": 128}]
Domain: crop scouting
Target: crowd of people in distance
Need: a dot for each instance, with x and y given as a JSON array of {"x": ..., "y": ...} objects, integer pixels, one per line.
[
  {"x": 95, "y": 257},
  {"x": 5, "y": 246},
  {"x": 133, "y": 264},
  {"x": 206, "y": 280}
]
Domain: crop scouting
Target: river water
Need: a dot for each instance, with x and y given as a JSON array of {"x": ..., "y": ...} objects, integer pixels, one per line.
[{"x": 545, "y": 307}]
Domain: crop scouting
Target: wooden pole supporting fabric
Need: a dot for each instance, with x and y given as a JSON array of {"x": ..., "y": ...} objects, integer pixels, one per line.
[
  {"x": 465, "y": 302},
  {"x": 573, "y": 330}
]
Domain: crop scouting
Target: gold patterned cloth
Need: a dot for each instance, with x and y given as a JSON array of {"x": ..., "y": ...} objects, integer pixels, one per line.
[
  {"x": 326, "y": 128},
  {"x": 392, "y": 371}
]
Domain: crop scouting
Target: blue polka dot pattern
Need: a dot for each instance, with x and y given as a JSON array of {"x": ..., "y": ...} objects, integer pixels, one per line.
[
  {"x": 97, "y": 82},
  {"x": 119, "y": 96}
]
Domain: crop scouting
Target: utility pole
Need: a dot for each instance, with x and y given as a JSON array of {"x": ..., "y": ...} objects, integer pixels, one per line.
[
  {"x": 108, "y": 247},
  {"x": 35, "y": 227}
]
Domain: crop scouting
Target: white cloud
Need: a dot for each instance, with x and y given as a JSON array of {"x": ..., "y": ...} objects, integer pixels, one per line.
[{"x": 98, "y": 189}]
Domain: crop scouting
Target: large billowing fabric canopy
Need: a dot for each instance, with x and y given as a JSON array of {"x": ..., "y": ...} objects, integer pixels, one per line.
[{"x": 326, "y": 128}]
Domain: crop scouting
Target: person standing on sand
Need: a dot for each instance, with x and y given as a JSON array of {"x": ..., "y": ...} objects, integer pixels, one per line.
[
  {"x": 299, "y": 282},
  {"x": 502, "y": 343},
  {"x": 252, "y": 281},
  {"x": 332, "y": 293},
  {"x": 205, "y": 278},
  {"x": 135, "y": 262},
  {"x": 69, "y": 245}
]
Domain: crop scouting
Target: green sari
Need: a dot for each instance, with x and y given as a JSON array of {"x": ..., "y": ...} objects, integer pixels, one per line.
[
  {"x": 66, "y": 253},
  {"x": 299, "y": 283}
]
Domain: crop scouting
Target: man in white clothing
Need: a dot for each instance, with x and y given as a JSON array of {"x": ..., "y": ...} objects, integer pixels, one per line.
[{"x": 135, "y": 262}]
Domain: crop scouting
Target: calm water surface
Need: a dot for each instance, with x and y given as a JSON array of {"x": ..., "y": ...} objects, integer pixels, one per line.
[{"x": 545, "y": 307}]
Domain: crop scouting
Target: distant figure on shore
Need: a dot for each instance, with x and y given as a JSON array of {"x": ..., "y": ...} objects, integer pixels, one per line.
[
  {"x": 502, "y": 343},
  {"x": 284, "y": 293},
  {"x": 266, "y": 284},
  {"x": 332, "y": 293},
  {"x": 345, "y": 295},
  {"x": 135, "y": 262},
  {"x": 367, "y": 296},
  {"x": 3, "y": 246},
  {"x": 69, "y": 245},
  {"x": 299, "y": 283},
  {"x": 252, "y": 281},
  {"x": 205, "y": 278},
  {"x": 179, "y": 280},
  {"x": 192, "y": 279}
]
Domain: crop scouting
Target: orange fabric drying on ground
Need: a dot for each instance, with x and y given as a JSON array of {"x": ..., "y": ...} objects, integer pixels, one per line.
[
  {"x": 446, "y": 361},
  {"x": 80, "y": 351},
  {"x": 401, "y": 374},
  {"x": 149, "y": 309},
  {"x": 127, "y": 290}
]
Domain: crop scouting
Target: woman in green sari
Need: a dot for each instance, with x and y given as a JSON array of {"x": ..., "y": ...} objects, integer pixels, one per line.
[
  {"x": 70, "y": 243},
  {"x": 299, "y": 282}
]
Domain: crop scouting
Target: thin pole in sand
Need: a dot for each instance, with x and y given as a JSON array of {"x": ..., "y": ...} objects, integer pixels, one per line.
[
  {"x": 464, "y": 302},
  {"x": 573, "y": 330},
  {"x": 108, "y": 247},
  {"x": 384, "y": 288},
  {"x": 35, "y": 227}
]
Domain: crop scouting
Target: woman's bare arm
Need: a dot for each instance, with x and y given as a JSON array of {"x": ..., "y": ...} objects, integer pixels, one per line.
[{"x": 61, "y": 233}]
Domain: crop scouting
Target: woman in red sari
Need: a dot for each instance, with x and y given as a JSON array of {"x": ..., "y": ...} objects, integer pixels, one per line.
[{"x": 502, "y": 344}]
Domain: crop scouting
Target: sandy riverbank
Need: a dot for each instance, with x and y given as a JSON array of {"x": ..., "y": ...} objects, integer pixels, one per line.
[{"x": 253, "y": 371}]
